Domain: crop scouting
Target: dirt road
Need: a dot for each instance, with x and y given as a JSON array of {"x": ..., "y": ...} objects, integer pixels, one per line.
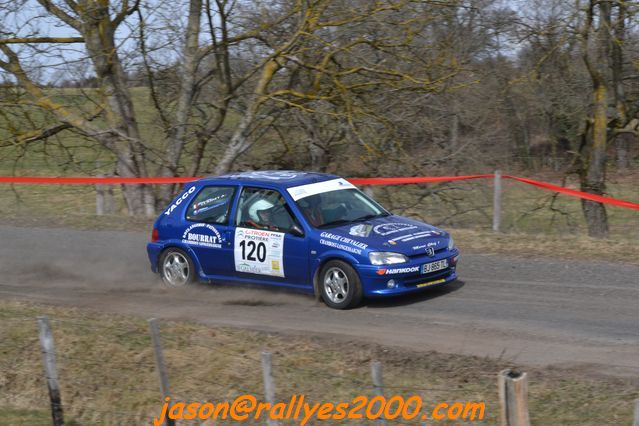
[{"x": 531, "y": 311}]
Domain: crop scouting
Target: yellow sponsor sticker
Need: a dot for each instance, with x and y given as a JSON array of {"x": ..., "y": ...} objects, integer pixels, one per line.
[{"x": 431, "y": 283}]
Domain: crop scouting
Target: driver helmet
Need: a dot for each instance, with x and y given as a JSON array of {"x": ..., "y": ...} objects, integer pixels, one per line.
[{"x": 257, "y": 206}]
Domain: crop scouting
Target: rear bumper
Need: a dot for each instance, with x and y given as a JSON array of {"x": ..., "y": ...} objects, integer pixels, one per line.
[
  {"x": 376, "y": 285},
  {"x": 153, "y": 250}
]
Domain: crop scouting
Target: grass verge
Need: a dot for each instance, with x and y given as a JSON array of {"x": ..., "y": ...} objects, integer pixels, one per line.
[{"x": 107, "y": 371}]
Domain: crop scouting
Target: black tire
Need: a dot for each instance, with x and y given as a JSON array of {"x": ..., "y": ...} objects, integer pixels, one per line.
[
  {"x": 176, "y": 268},
  {"x": 339, "y": 285}
]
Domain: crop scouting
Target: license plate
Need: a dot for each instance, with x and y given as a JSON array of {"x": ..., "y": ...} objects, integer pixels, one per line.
[{"x": 435, "y": 266}]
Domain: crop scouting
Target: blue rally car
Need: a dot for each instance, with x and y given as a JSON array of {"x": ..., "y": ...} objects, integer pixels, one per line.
[{"x": 309, "y": 231}]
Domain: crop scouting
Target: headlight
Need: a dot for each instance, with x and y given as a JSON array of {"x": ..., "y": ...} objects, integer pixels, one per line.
[
  {"x": 451, "y": 243},
  {"x": 386, "y": 258}
]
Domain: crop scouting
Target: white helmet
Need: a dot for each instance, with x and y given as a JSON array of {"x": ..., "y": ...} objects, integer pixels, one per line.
[{"x": 257, "y": 206}]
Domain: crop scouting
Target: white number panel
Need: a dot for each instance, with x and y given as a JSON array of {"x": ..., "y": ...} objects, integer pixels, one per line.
[{"x": 259, "y": 252}]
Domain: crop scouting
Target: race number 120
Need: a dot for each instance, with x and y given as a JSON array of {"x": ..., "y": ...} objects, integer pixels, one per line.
[
  {"x": 257, "y": 251},
  {"x": 253, "y": 251}
]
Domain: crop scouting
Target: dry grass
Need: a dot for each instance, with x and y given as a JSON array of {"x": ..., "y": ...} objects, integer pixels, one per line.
[
  {"x": 549, "y": 246},
  {"x": 108, "y": 375}
]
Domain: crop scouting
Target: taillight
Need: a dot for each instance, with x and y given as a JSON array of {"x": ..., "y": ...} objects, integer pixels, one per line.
[{"x": 155, "y": 235}]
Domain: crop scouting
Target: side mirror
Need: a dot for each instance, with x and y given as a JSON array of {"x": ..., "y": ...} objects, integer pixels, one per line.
[{"x": 296, "y": 231}]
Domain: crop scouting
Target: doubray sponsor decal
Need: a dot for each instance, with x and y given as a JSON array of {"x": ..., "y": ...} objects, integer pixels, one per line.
[
  {"x": 342, "y": 243},
  {"x": 206, "y": 236},
  {"x": 392, "y": 228},
  {"x": 398, "y": 270},
  {"x": 179, "y": 200}
]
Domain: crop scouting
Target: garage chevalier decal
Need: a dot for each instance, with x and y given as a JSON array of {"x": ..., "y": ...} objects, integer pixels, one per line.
[{"x": 342, "y": 243}]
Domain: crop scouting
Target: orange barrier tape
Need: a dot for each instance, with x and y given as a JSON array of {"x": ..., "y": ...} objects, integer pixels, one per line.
[
  {"x": 416, "y": 179},
  {"x": 575, "y": 193},
  {"x": 355, "y": 181},
  {"x": 95, "y": 180}
]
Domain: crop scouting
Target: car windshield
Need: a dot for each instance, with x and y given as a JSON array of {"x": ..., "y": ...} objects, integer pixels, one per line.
[{"x": 339, "y": 207}]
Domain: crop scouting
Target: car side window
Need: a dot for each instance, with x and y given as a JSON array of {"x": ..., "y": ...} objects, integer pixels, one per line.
[
  {"x": 266, "y": 209},
  {"x": 212, "y": 205}
]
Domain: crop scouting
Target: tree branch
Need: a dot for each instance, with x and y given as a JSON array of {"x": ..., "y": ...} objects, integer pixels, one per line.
[
  {"x": 25, "y": 40},
  {"x": 61, "y": 14}
]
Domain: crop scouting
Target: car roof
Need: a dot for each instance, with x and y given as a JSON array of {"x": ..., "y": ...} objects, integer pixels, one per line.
[{"x": 278, "y": 178}]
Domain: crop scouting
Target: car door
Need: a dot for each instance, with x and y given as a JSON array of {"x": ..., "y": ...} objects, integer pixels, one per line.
[
  {"x": 209, "y": 230},
  {"x": 269, "y": 243}
]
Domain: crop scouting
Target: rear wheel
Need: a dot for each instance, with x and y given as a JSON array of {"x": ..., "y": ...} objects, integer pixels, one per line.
[
  {"x": 340, "y": 285},
  {"x": 176, "y": 268}
]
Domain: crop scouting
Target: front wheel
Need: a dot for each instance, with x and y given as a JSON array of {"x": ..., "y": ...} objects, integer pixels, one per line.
[
  {"x": 176, "y": 268},
  {"x": 340, "y": 285}
]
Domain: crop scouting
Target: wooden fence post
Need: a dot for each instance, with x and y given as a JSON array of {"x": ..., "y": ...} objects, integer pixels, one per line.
[
  {"x": 99, "y": 197},
  {"x": 497, "y": 202},
  {"x": 109, "y": 208},
  {"x": 378, "y": 386},
  {"x": 161, "y": 366},
  {"x": 635, "y": 422},
  {"x": 513, "y": 398},
  {"x": 269, "y": 384},
  {"x": 51, "y": 372}
]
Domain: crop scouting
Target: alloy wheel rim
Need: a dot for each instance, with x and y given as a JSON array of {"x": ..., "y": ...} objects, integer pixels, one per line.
[
  {"x": 176, "y": 269},
  {"x": 336, "y": 285}
]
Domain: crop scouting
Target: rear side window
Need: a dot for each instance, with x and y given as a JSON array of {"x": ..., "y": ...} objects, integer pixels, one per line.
[{"x": 212, "y": 205}]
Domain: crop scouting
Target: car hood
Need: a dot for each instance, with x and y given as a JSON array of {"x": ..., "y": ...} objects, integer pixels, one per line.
[{"x": 393, "y": 233}]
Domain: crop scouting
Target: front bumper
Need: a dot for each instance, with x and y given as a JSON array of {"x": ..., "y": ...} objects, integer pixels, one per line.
[{"x": 376, "y": 285}]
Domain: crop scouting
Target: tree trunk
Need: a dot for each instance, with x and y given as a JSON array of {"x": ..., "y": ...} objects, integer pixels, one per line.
[
  {"x": 177, "y": 136},
  {"x": 593, "y": 174},
  {"x": 624, "y": 138},
  {"x": 623, "y": 142},
  {"x": 98, "y": 31},
  {"x": 593, "y": 181},
  {"x": 134, "y": 195},
  {"x": 240, "y": 140}
]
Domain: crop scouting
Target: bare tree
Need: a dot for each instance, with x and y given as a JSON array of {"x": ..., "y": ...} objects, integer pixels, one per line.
[{"x": 230, "y": 59}]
